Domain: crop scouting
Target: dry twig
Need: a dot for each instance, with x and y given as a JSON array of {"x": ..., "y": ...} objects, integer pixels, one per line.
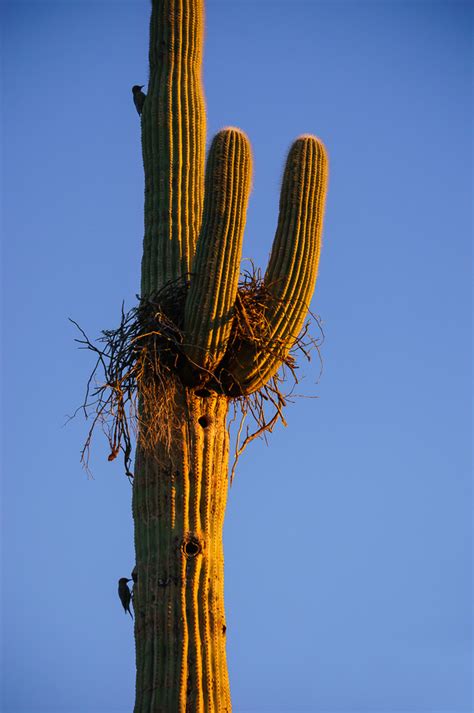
[{"x": 141, "y": 362}]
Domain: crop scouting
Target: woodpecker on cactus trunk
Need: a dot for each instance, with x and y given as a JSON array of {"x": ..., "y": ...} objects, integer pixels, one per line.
[
  {"x": 125, "y": 594},
  {"x": 138, "y": 97}
]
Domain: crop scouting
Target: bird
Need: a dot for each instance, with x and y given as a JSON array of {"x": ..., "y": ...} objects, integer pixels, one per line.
[
  {"x": 125, "y": 594},
  {"x": 138, "y": 97}
]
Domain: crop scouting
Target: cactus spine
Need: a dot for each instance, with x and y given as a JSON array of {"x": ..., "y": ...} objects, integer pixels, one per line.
[{"x": 194, "y": 223}]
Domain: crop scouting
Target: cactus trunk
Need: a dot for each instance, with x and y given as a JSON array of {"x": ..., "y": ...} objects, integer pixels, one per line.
[
  {"x": 194, "y": 224},
  {"x": 179, "y": 499}
]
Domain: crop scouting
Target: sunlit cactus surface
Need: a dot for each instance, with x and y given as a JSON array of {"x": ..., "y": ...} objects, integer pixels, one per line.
[{"x": 214, "y": 341}]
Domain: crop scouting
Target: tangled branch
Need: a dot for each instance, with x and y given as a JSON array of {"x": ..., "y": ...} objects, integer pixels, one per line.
[{"x": 141, "y": 363}]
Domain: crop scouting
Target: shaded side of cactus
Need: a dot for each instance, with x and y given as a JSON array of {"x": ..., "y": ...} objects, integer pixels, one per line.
[{"x": 194, "y": 223}]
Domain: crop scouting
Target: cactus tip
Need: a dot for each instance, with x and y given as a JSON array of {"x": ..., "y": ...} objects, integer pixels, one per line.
[
  {"x": 232, "y": 128},
  {"x": 311, "y": 137}
]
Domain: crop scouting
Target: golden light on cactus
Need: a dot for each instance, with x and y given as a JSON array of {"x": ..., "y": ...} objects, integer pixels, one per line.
[
  {"x": 173, "y": 141},
  {"x": 216, "y": 266},
  {"x": 291, "y": 274},
  {"x": 198, "y": 341}
]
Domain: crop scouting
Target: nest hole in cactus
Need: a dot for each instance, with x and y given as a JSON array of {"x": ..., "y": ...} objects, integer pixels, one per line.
[{"x": 191, "y": 547}]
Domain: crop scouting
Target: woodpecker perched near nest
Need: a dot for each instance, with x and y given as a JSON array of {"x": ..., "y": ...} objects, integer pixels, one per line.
[
  {"x": 125, "y": 594},
  {"x": 138, "y": 97}
]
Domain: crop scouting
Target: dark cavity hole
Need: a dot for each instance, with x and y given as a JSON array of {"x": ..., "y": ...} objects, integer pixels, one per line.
[
  {"x": 204, "y": 421},
  {"x": 203, "y": 393},
  {"x": 191, "y": 548}
]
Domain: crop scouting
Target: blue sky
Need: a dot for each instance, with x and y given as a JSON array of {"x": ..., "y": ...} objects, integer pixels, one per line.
[{"x": 348, "y": 539}]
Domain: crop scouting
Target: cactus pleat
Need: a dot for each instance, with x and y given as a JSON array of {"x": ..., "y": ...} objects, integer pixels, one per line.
[
  {"x": 173, "y": 142},
  {"x": 216, "y": 267},
  {"x": 293, "y": 265}
]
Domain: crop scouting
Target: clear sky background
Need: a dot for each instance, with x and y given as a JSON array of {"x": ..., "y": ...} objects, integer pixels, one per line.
[{"x": 347, "y": 540}]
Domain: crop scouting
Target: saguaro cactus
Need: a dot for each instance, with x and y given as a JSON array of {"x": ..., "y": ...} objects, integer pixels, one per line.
[{"x": 194, "y": 222}]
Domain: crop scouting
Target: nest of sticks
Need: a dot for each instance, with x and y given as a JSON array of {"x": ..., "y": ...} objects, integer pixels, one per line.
[{"x": 140, "y": 368}]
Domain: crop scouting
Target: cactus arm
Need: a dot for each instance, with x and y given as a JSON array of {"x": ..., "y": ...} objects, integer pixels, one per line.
[
  {"x": 291, "y": 274},
  {"x": 215, "y": 270},
  {"x": 173, "y": 142}
]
